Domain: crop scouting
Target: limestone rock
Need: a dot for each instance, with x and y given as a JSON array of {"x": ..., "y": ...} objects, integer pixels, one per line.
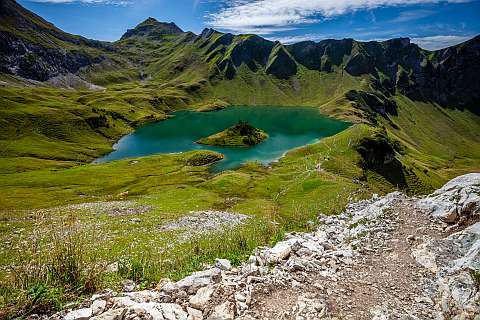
[
  {"x": 223, "y": 264},
  {"x": 224, "y": 311},
  {"x": 194, "y": 314},
  {"x": 167, "y": 286},
  {"x": 128, "y": 285},
  {"x": 457, "y": 199},
  {"x": 98, "y": 306},
  {"x": 172, "y": 311},
  {"x": 112, "y": 314},
  {"x": 122, "y": 302},
  {"x": 203, "y": 296},
  {"x": 80, "y": 314},
  {"x": 199, "y": 279},
  {"x": 281, "y": 250}
]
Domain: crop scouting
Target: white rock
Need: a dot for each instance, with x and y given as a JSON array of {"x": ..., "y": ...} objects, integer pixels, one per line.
[
  {"x": 223, "y": 264},
  {"x": 201, "y": 299},
  {"x": 153, "y": 309},
  {"x": 112, "y": 314},
  {"x": 379, "y": 313},
  {"x": 98, "y": 306},
  {"x": 459, "y": 197},
  {"x": 282, "y": 250},
  {"x": 172, "y": 311},
  {"x": 122, "y": 302},
  {"x": 313, "y": 247},
  {"x": 167, "y": 286},
  {"x": 199, "y": 279},
  {"x": 468, "y": 242},
  {"x": 111, "y": 268},
  {"x": 463, "y": 290},
  {"x": 143, "y": 296},
  {"x": 128, "y": 285},
  {"x": 194, "y": 314},
  {"x": 80, "y": 314},
  {"x": 425, "y": 257},
  {"x": 225, "y": 311},
  {"x": 240, "y": 297}
]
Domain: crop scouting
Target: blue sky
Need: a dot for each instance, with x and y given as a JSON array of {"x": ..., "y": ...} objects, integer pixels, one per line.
[{"x": 432, "y": 24}]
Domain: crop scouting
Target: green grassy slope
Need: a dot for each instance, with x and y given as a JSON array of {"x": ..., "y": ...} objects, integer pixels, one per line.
[{"x": 440, "y": 143}]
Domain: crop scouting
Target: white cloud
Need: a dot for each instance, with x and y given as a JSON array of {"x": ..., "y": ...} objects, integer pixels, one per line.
[
  {"x": 440, "y": 41},
  {"x": 299, "y": 38},
  {"x": 410, "y": 15},
  {"x": 244, "y": 15}
]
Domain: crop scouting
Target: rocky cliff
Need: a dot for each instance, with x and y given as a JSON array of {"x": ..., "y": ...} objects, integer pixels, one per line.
[{"x": 33, "y": 48}]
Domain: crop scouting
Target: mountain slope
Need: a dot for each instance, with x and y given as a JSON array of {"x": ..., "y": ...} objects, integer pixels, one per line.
[{"x": 33, "y": 48}]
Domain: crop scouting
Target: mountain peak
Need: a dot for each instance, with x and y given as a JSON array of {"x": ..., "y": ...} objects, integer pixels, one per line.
[
  {"x": 150, "y": 20},
  {"x": 152, "y": 28}
]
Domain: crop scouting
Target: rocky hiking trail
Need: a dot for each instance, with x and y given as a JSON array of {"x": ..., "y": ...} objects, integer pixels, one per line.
[{"x": 391, "y": 257}]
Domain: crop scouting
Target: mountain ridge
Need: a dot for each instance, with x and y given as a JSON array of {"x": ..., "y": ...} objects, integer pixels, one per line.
[{"x": 445, "y": 76}]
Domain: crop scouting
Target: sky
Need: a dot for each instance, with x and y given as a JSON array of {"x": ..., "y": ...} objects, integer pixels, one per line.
[{"x": 432, "y": 24}]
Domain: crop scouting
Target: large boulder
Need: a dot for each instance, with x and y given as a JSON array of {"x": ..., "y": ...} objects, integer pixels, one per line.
[
  {"x": 172, "y": 311},
  {"x": 458, "y": 199},
  {"x": 454, "y": 261},
  {"x": 282, "y": 250}
]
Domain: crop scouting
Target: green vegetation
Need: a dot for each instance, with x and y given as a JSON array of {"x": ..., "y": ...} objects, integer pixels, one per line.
[
  {"x": 205, "y": 158},
  {"x": 242, "y": 134},
  {"x": 65, "y": 220},
  {"x": 48, "y": 135}
]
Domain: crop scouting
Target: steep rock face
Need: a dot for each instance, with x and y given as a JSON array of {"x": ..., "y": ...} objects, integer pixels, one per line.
[
  {"x": 321, "y": 56},
  {"x": 280, "y": 63},
  {"x": 152, "y": 29},
  {"x": 448, "y": 77},
  {"x": 457, "y": 200},
  {"x": 31, "y": 47},
  {"x": 233, "y": 51},
  {"x": 39, "y": 63},
  {"x": 452, "y": 77}
]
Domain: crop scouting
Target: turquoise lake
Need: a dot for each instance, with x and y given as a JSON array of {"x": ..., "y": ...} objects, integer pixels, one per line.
[{"x": 287, "y": 127}]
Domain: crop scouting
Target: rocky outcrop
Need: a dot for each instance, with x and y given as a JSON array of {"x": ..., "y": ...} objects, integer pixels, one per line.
[
  {"x": 457, "y": 200},
  {"x": 36, "y": 62},
  {"x": 33, "y": 48},
  {"x": 302, "y": 277}
]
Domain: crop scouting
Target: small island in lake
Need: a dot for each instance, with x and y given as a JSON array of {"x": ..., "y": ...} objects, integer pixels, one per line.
[{"x": 242, "y": 134}]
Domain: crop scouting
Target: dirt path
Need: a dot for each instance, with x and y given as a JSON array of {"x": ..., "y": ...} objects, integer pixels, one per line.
[{"x": 384, "y": 277}]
